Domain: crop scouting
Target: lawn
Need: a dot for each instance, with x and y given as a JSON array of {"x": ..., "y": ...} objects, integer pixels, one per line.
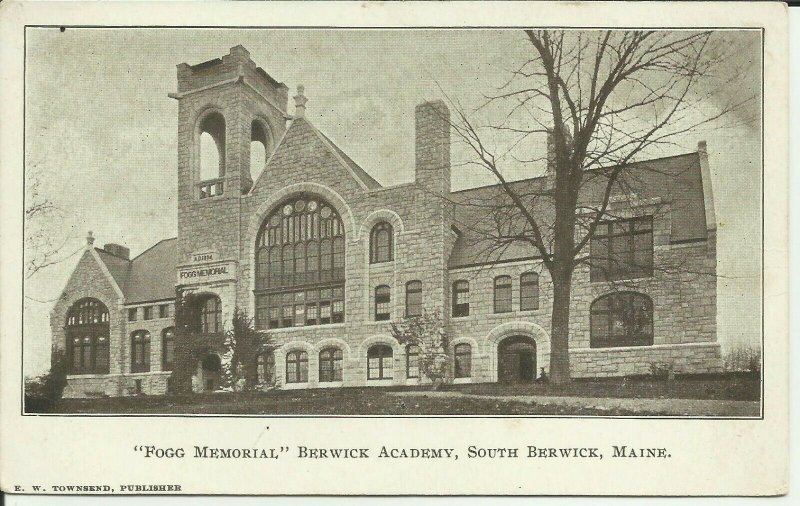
[{"x": 478, "y": 399}]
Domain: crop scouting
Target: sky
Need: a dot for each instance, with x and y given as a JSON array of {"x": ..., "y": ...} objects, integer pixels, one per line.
[{"x": 101, "y": 130}]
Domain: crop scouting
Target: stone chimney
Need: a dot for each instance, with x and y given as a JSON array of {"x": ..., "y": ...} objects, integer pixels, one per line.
[
  {"x": 432, "y": 146},
  {"x": 89, "y": 240},
  {"x": 118, "y": 250}
]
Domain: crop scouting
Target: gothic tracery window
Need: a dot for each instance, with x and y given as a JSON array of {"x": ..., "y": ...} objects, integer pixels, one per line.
[
  {"x": 300, "y": 265},
  {"x": 87, "y": 334}
]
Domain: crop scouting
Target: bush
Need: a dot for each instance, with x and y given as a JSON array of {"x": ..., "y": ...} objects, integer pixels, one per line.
[
  {"x": 662, "y": 370},
  {"x": 743, "y": 358},
  {"x": 42, "y": 392}
]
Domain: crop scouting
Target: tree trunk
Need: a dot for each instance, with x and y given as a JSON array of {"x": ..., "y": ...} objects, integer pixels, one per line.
[{"x": 559, "y": 338}]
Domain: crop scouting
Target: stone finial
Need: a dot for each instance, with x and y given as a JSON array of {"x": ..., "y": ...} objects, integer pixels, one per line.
[
  {"x": 300, "y": 102},
  {"x": 89, "y": 239}
]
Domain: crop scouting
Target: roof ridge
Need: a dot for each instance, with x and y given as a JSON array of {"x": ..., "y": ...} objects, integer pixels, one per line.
[
  {"x": 112, "y": 254},
  {"x": 595, "y": 168},
  {"x": 153, "y": 246}
]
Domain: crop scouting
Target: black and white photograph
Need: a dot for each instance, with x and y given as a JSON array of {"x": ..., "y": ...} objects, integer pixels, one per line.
[
  {"x": 389, "y": 222},
  {"x": 281, "y": 223}
]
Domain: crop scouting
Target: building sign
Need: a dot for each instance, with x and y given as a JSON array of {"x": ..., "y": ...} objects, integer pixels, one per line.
[
  {"x": 204, "y": 274},
  {"x": 204, "y": 256}
]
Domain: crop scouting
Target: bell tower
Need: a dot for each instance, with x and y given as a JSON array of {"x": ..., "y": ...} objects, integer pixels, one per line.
[{"x": 229, "y": 112}]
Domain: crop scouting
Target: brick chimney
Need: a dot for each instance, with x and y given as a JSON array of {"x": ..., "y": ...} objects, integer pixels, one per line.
[
  {"x": 118, "y": 250},
  {"x": 432, "y": 146}
]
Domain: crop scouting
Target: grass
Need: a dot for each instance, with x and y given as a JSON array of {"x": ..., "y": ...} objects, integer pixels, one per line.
[{"x": 381, "y": 401}]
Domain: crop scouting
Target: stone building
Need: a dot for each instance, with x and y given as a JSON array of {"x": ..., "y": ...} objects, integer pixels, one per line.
[{"x": 324, "y": 257}]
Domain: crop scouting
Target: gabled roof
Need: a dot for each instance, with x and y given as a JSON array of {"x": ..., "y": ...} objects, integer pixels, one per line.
[
  {"x": 368, "y": 180},
  {"x": 148, "y": 277},
  {"x": 676, "y": 179},
  {"x": 359, "y": 174}
]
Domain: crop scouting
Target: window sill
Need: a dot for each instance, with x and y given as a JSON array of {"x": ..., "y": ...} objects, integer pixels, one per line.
[
  {"x": 289, "y": 330},
  {"x": 620, "y": 280},
  {"x": 90, "y": 375},
  {"x": 330, "y": 384},
  {"x": 295, "y": 386},
  {"x": 462, "y": 381}
]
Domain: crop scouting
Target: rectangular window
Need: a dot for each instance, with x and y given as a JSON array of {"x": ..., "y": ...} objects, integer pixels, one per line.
[
  {"x": 412, "y": 362},
  {"x": 382, "y": 303},
  {"x": 148, "y": 313},
  {"x": 163, "y": 311},
  {"x": 414, "y": 298},
  {"x": 622, "y": 249},
  {"x": 461, "y": 298},
  {"x": 529, "y": 291},
  {"x": 502, "y": 294},
  {"x": 132, "y": 314}
]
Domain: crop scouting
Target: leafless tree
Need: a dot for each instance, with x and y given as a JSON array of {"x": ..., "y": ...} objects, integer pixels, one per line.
[
  {"x": 604, "y": 99},
  {"x": 44, "y": 241}
]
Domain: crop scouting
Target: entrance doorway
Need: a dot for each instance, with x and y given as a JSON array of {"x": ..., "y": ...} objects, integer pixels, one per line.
[
  {"x": 209, "y": 373},
  {"x": 516, "y": 360}
]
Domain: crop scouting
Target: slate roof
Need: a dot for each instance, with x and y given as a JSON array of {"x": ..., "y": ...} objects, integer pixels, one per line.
[
  {"x": 149, "y": 276},
  {"x": 676, "y": 179}
]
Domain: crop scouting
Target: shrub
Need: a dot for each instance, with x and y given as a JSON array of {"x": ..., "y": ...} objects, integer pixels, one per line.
[
  {"x": 43, "y": 391},
  {"x": 661, "y": 370},
  {"x": 743, "y": 358}
]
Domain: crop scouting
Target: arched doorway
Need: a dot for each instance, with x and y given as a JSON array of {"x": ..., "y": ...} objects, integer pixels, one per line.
[
  {"x": 208, "y": 372},
  {"x": 516, "y": 360}
]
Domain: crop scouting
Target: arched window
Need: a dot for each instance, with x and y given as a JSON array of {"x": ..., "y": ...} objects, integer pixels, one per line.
[
  {"x": 412, "y": 361},
  {"x": 297, "y": 367},
  {"x": 462, "y": 361},
  {"x": 502, "y": 294},
  {"x": 87, "y": 334},
  {"x": 461, "y": 298},
  {"x": 265, "y": 367},
  {"x": 258, "y": 149},
  {"x": 621, "y": 319},
  {"x": 379, "y": 362},
  {"x": 529, "y": 291},
  {"x": 212, "y": 155},
  {"x": 414, "y": 298},
  {"x": 383, "y": 298},
  {"x": 300, "y": 265},
  {"x": 140, "y": 351},
  {"x": 210, "y": 314},
  {"x": 330, "y": 365},
  {"x": 167, "y": 349},
  {"x": 380, "y": 243}
]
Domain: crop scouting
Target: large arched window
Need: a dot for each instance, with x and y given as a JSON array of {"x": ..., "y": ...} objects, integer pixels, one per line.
[
  {"x": 167, "y": 349},
  {"x": 210, "y": 314},
  {"x": 330, "y": 365},
  {"x": 300, "y": 265},
  {"x": 379, "y": 362},
  {"x": 87, "y": 334},
  {"x": 140, "y": 351},
  {"x": 265, "y": 367},
  {"x": 212, "y": 155},
  {"x": 380, "y": 243},
  {"x": 621, "y": 319},
  {"x": 297, "y": 367},
  {"x": 462, "y": 361}
]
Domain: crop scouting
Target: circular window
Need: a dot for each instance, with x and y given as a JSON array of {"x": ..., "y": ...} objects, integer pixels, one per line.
[
  {"x": 326, "y": 212},
  {"x": 287, "y": 209},
  {"x": 299, "y": 205},
  {"x": 312, "y": 206}
]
